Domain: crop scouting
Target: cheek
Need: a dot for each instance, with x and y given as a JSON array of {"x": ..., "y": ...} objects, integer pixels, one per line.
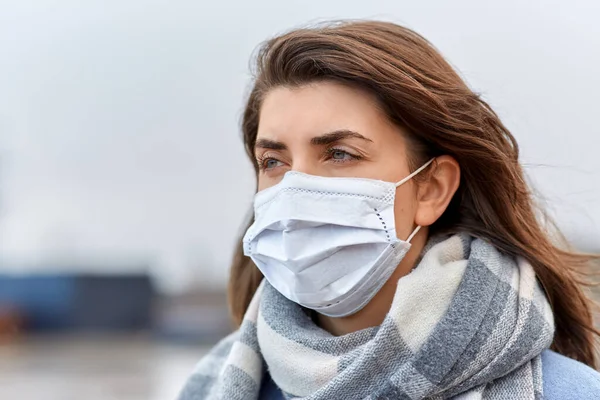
[
  {"x": 265, "y": 181},
  {"x": 404, "y": 211},
  {"x": 262, "y": 184}
]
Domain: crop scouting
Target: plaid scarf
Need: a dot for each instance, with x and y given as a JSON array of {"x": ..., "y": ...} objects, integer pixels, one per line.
[{"x": 469, "y": 322}]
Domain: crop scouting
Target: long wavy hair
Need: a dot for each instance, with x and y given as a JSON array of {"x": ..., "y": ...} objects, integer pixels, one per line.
[{"x": 420, "y": 92}]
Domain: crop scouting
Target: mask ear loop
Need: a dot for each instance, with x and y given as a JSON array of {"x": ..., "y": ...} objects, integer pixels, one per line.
[
  {"x": 414, "y": 233},
  {"x": 409, "y": 177}
]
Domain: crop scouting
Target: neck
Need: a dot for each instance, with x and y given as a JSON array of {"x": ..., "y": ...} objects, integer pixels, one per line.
[{"x": 375, "y": 311}]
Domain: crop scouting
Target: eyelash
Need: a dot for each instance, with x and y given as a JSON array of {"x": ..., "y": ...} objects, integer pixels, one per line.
[
  {"x": 329, "y": 152},
  {"x": 262, "y": 160}
]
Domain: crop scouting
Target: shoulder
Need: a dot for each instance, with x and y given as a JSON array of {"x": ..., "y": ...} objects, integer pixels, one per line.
[
  {"x": 207, "y": 370},
  {"x": 216, "y": 356},
  {"x": 565, "y": 378}
]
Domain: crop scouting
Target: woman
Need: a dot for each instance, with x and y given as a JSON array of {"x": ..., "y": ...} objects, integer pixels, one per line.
[{"x": 401, "y": 246}]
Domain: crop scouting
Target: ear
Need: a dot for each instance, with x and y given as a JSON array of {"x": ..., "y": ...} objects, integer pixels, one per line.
[{"x": 435, "y": 193}]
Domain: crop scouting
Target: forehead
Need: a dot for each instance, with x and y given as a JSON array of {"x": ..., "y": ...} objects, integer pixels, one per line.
[{"x": 316, "y": 108}]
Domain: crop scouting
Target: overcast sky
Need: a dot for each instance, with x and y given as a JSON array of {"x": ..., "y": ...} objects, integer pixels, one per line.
[{"x": 119, "y": 137}]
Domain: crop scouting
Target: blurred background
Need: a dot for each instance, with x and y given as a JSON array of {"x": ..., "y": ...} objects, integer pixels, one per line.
[{"x": 124, "y": 184}]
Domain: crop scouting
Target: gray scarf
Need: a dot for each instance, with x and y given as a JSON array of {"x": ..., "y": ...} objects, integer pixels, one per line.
[{"x": 468, "y": 322}]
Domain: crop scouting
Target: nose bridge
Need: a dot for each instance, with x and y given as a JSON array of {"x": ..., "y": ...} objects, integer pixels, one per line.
[
  {"x": 305, "y": 161},
  {"x": 306, "y": 167}
]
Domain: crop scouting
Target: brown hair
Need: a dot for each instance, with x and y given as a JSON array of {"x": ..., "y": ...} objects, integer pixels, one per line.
[{"x": 421, "y": 92}]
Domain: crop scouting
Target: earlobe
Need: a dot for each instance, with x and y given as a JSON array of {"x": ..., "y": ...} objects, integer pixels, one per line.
[{"x": 438, "y": 190}]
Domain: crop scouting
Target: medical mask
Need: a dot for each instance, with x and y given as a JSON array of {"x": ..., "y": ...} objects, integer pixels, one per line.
[{"x": 328, "y": 244}]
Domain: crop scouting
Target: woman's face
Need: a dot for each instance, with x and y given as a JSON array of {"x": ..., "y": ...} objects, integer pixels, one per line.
[{"x": 328, "y": 129}]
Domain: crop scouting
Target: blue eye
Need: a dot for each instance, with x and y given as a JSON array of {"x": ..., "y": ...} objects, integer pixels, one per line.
[
  {"x": 269, "y": 163},
  {"x": 339, "y": 155},
  {"x": 272, "y": 163}
]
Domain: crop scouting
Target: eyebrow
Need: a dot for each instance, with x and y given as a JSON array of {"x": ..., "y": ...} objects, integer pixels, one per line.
[
  {"x": 322, "y": 140},
  {"x": 336, "y": 136},
  {"x": 269, "y": 144}
]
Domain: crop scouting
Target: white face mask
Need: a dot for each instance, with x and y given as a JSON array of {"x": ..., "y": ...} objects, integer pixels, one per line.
[{"x": 328, "y": 244}]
